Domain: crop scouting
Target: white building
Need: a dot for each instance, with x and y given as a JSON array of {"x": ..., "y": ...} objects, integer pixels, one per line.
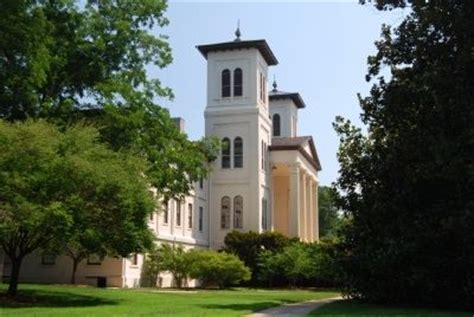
[{"x": 266, "y": 177}]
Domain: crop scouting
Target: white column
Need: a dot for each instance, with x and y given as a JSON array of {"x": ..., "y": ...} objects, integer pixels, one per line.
[
  {"x": 316, "y": 212},
  {"x": 271, "y": 197},
  {"x": 294, "y": 201},
  {"x": 310, "y": 210},
  {"x": 303, "y": 206}
]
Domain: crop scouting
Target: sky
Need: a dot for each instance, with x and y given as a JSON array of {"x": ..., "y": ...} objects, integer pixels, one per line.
[{"x": 322, "y": 49}]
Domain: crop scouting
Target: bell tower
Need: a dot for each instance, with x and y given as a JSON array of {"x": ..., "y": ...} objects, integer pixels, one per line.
[
  {"x": 237, "y": 113},
  {"x": 284, "y": 108}
]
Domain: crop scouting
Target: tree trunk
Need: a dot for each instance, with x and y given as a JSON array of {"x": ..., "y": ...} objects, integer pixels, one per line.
[
  {"x": 179, "y": 282},
  {"x": 14, "y": 275},
  {"x": 75, "y": 263}
]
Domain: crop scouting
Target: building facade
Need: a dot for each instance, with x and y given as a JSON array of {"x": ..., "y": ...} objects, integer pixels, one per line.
[{"x": 265, "y": 178}]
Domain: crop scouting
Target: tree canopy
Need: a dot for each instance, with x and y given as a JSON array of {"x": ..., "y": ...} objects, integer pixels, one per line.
[
  {"x": 59, "y": 54},
  {"x": 67, "y": 188},
  {"x": 407, "y": 184},
  {"x": 329, "y": 218},
  {"x": 69, "y": 60}
]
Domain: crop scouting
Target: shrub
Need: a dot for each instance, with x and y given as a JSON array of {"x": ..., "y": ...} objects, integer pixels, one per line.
[
  {"x": 293, "y": 263},
  {"x": 173, "y": 259},
  {"x": 271, "y": 269},
  {"x": 249, "y": 245},
  {"x": 217, "y": 268},
  {"x": 326, "y": 270},
  {"x": 300, "y": 264}
]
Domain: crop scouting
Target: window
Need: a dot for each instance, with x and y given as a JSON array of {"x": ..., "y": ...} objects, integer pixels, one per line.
[
  {"x": 225, "y": 83},
  {"x": 264, "y": 214},
  {"x": 201, "y": 218},
  {"x": 134, "y": 259},
  {"x": 94, "y": 259},
  {"x": 263, "y": 91},
  {"x": 48, "y": 259},
  {"x": 225, "y": 153},
  {"x": 201, "y": 182},
  {"x": 178, "y": 213},
  {"x": 152, "y": 194},
  {"x": 276, "y": 124},
  {"x": 293, "y": 121},
  {"x": 264, "y": 88},
  {"x": 264, "y": 155},
  {"x": 190, "y": 216},
  {"x": 238, "y": 152},
  {"x": 238, "y": 212},
  {"x": 238, "y": 82},
  {"x": 165, "y": 212},
  {"x": 225, "y": 212},
  {"x": 264, "y": 151}
]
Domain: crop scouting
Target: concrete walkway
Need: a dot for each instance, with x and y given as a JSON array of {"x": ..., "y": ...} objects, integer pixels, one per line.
[{"x": 295, "y": 309}]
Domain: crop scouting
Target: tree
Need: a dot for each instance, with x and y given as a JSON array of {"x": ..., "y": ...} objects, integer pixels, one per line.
[
  {"x": 173, "y": 259},
  {"x": 329, "y": 219},
  {"x": 112, "y": 216},
  {"x": 248, "y": 245},
  {"x": 68, "y": 188},
  {"x": 56, "y": 55},
  {"x": 152, "y": 267},
  {"x": 325, "y": 269},
  {"x": 217, "y": 268},
  {"x": 175, "y": 162},
  {"x": 408, "y": 182},
  {"x": 69, "y": 60}
]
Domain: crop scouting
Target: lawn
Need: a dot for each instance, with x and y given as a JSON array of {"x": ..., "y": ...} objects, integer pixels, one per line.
[
  {"x": 69, "y": 301},
  {"x": 347, "y": 308}
]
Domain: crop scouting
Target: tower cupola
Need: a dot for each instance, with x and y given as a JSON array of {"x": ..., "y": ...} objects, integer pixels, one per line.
[{"x": 284, "y": 111}]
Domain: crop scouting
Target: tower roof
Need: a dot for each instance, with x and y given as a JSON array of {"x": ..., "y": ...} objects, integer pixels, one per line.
[
  {"x": 294, "y": 96},
  {"x": 261, "y": 45}
]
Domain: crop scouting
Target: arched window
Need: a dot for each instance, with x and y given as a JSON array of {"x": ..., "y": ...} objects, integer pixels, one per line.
[
  {"x": 276, "y": 124},
  {"x": 225, "y": 212},
  {"x": 238, "y": 212},
  {"x": 225, "y": 83},
  {"x": 238, "y": 82},
  {"x": 225, "y": 152},
  {"x": 238, "y": 152}
]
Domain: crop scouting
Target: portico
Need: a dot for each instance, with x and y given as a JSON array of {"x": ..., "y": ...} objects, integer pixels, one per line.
[{"x": 295, "y": 186}]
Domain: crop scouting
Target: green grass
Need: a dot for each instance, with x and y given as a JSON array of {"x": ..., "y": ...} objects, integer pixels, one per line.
[
  {"x": 347, "y": 308},
  {"x": 69, "y": 301}
]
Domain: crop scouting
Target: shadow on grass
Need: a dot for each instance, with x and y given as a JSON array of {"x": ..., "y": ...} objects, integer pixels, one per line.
[
  {"x": 35, "y": 298},
  {"x": 308, "y": 289},
  {"x": 254, "y": 307},
  {"x": 357, "y": 308}
]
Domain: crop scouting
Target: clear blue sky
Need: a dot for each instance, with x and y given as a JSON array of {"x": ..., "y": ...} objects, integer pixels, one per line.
[{"x": 322, "y": 49}]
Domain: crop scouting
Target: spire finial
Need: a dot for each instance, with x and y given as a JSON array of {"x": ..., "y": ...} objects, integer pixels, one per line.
[
  {"x": 237, "y": 32},
  {"x": 274, "y": 84}
]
